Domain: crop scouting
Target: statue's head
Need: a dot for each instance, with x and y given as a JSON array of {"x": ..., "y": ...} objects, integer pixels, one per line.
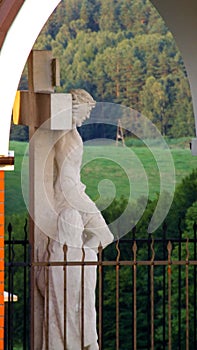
[{"x": 83, "y": 103}]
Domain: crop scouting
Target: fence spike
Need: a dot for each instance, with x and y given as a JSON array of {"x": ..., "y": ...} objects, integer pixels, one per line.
[
  {"x": 187, "y": 250},
  {"x": 9, "y": 228},
  {"x": 134, "y": 248},
  {"x": 118, "y": 250},
  {"x": 25, "y": 229},
  {"x": 152, "y": 250}
]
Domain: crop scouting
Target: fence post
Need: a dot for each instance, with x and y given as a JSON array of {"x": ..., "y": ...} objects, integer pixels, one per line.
[
  {"x": 195, "y": 286},
  {"x": 117, "y": 294},
  {"x": 100, "y": 272},
  {"x": 179, "y": 285},
  {"x": 152, "y": 294},
  {"x": 164, "y": 284},
  {"x": 134, "y": 248},
  {"x": 65, "y": 249},
  {"x": 187, "y": 293},
  {"x": 169, "y": 248},
  {"x": 149, "y": 295}
]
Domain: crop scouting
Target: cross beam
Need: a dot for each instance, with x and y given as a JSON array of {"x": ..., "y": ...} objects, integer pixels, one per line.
[{"x": 40, "y": 105}]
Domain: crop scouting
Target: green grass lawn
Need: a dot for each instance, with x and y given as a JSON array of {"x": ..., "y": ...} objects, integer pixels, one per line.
[
  {"x": 124, "y": 168},
  {"x": 110, "y": 169}
]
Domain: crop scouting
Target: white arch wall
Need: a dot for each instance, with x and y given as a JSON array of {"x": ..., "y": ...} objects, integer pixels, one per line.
[
  {"x": 181, "y": 19},
  {"x": 13, "y": 56}
]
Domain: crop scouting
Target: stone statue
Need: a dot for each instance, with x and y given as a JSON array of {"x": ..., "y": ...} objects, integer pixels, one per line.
[{"x": 79, "y": 224}]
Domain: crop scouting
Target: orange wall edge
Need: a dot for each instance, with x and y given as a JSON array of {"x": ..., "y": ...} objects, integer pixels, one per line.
[{"x": 2, "y": 223}]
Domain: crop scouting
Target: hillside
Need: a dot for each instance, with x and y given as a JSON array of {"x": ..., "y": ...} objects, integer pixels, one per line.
[{"x": 121, "y": 52}]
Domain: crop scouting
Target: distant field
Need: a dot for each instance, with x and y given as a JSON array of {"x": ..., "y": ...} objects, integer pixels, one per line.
[{"x": 120, "y": 166}]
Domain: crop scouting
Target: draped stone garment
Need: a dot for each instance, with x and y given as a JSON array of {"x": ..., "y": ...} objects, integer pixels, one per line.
[
  {"x": 70, "y": 228},
  {"x": 80, "y": 223},
  {"x": 70, "y": 191}
]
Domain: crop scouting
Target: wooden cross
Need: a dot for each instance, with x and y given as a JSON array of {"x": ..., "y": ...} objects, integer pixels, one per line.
[{"x": 40, "y": 104}]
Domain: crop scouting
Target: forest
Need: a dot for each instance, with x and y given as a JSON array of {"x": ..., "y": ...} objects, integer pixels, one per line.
[{"x": 120, "y": 52}]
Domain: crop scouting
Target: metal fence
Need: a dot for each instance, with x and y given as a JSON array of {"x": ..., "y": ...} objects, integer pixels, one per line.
[
  {"x": 17, "y": 287},
  {"x": 146, "y": 292}
]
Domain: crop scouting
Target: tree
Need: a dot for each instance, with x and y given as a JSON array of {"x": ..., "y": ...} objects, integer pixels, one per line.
[
  {"x": 183, "y": 123},
  {"x": 108, "y": 20},
  {"x": 153, "y": 100}
]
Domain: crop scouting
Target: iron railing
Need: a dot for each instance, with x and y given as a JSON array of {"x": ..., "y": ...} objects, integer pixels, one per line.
[
  {"x": 146, "y": 292},
  {"x": 17, "y": 285}
]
